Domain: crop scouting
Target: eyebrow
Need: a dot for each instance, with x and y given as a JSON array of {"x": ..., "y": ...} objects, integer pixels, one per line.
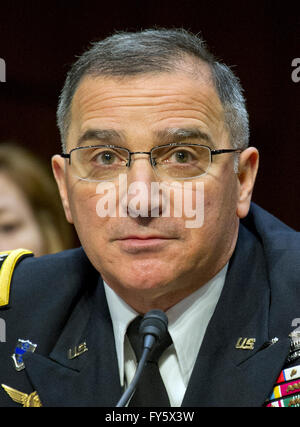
[
  {"x": 164, "y": 136},
  {"x": 103, "y": 135},
  {"x": 181, "y": 134}
]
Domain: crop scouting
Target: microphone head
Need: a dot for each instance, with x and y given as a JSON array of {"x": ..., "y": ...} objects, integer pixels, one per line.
[{"x": 155, "y": 323}]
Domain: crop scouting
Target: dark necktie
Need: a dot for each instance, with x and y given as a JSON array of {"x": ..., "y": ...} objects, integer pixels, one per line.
[{"x": 150, "y": 390}]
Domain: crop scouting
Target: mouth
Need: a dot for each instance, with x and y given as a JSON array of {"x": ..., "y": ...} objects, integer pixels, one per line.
[{"x": 135, "y": 244}]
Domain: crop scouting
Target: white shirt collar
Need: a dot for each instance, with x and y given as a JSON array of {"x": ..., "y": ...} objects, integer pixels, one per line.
[
  {"x": 188, "y": 321},
  {"x": 121, "y": 315}
]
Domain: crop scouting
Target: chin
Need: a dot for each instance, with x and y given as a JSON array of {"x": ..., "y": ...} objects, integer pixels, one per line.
[
  {"x": 145, "y": 281},
  {"x": 142, "y": 282}
]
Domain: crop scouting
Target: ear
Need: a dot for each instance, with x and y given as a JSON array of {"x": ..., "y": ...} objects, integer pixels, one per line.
[
  {"x": 59, "y": 171},
  {"x": 248, "y": 166}
]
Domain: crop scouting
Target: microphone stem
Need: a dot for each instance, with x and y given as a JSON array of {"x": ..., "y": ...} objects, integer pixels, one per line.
[{"x": 132, "y": 386}]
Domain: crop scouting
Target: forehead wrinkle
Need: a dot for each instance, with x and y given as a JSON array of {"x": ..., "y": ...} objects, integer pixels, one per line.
[{"x": 140, "y": 100}]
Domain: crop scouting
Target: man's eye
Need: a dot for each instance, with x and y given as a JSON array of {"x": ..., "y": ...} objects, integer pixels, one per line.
[
  {"x": 182, "y": 156},
  {"x": 106, "y": 158}
]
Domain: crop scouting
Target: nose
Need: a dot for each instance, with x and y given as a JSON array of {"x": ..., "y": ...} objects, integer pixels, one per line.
[
  {"x": 140, "y": 175},
  {"x": 140, "y": 168}
]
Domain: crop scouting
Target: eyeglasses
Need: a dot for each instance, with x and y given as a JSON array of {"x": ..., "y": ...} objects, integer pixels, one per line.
[{"x": 170, "y": 162}]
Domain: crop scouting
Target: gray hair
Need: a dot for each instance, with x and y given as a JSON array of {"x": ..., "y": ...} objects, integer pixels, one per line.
[{"x": 154, "y": 51}]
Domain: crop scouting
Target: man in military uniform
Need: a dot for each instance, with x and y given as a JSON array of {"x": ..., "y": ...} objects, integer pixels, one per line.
[{"x": 139, "y": 109}]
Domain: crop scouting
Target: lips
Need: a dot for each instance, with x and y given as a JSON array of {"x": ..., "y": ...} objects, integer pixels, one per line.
[
  {"x": 141, "y": 237},
  {"x": 136, "y": 243}
]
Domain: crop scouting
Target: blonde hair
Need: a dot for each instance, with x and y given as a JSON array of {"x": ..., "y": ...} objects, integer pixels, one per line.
[{"x": 37, "y": 184}]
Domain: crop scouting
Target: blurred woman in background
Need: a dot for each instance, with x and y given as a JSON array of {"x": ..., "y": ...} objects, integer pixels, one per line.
[{"x": 31, "y": 215}]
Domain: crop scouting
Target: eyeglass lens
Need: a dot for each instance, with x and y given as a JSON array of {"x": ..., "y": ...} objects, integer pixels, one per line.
[{"x": 169, "y": 162}]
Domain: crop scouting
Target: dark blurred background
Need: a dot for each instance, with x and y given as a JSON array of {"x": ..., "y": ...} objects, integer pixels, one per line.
[{"x": 39, "y": 41}]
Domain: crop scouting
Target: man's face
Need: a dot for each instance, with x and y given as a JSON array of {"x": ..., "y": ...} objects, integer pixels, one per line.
[{"x": 153, "y": 261}]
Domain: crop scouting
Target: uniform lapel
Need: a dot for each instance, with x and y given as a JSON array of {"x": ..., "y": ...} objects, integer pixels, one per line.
[
  {"x": 223, "y": 374},
  {"x": 91, "y": 378}
]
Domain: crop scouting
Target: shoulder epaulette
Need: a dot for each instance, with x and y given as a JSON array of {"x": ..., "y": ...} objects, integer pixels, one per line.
[{"x": 8, "y": 262}]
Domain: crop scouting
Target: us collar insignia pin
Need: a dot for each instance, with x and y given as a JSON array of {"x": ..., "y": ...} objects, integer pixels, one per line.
[
  {"x": 77, "y": 351},
  {"x": 22, "y": 347},
  {"x": 245, "y": 343}
]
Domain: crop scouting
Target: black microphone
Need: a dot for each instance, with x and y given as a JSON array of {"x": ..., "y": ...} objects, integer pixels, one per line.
[{"x": 153, "y": 327}]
